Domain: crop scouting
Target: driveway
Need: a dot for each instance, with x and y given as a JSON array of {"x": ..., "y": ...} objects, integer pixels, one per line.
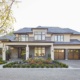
[
  {"x": 71, "y": 63},
  {"x": 39, "y": 74}
]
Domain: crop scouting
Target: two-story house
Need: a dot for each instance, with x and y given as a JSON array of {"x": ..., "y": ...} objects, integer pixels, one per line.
[{"x": 42, "y": 42}]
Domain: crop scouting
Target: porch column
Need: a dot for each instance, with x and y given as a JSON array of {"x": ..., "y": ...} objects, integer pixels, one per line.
[
  {"x": 66, "y": 54},
  {"x": 52, "y": 52},
  {"x": 4, "y": 52},
  {"x": 27, "y": 52}
]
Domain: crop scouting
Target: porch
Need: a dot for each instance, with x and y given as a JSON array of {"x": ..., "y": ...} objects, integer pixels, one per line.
[{"x": 28, "y": 50}]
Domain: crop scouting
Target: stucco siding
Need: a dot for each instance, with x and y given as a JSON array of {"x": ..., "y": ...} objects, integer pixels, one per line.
[
  {"x": 66, "y": 37},
  {"x": 14, "y": 53},
  {"x": 1, "y": 45},
  {"x": 67, "y": 47},
  {"x": 75, "y": 37}
]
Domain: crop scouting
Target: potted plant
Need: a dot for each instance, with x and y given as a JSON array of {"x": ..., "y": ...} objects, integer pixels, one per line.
[{"x": 23, "y": 54}]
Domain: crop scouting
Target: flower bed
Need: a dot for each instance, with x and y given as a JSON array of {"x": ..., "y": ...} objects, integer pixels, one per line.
[{"x": 36, "y": 63}]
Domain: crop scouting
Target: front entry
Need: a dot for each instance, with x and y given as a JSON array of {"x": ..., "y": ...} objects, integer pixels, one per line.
[
  {"x": 59, "y": 54},
  {"x": 21, "y": 52}
]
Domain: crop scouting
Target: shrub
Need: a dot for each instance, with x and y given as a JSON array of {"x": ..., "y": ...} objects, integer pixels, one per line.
[
  {"x": 32, "y": 66},
  {"x": 42, "y": 66},
  {"x": 36, "y": 63}
]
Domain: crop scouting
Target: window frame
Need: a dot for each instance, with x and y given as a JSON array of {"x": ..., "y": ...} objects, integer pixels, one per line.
[
  {"x": 25, "y": 37},
  {"x": 39, "y": 36},
  {"x": 59, "y": 38},
  {"x": 40, "y": 51}
]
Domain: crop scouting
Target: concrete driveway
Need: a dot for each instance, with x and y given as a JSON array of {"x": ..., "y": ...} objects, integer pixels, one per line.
[
  {"x": 71, "y": 63},
  {"x": 39, "y": 74}
]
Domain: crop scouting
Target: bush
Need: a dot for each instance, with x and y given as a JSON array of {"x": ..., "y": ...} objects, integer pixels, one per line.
[
  {"x": 1, "y": 61},
  {"x": 36, "y": 63}
]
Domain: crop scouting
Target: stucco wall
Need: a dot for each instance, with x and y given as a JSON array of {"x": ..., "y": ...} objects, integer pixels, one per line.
[
  {"x": 67, "y": 47},
  {"x": 14, "y": 53},
  {"x": 1, "y": 45},
  {"x": 75, "y": 37},
  {"x": 66, "y": 37}
]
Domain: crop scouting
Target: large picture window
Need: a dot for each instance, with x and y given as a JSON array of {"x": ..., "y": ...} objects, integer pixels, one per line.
[
  {"x": 39, "y": 51},
  {"x": 39, "y": 35},
  {"x": 59, "y": 38}
]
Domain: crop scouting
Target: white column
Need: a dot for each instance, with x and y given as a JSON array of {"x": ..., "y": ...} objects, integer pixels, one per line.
[
  {"x": 66, "y": 54},
  {"x": 27, "y": 52},
  {"x": 4, "y": 52},
  {"x": 52, "y": 52}
]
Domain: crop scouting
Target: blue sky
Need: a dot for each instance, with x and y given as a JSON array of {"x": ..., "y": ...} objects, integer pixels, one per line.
[{"x": 59, "y": 13}]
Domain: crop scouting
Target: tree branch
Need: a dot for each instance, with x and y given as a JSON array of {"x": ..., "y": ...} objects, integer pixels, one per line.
[{"x": 8, "y": 13}]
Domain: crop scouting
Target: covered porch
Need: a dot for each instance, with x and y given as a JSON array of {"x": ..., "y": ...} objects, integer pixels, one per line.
[{"x": 28, "y": 50}]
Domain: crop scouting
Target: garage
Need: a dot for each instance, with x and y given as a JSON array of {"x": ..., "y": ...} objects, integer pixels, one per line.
[
  {"x": 59, "y": 54},
  {"x": 74, "y": 54}
]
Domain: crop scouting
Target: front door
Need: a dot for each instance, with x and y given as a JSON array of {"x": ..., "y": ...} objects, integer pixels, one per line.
[{"x": 21, "y": 52}]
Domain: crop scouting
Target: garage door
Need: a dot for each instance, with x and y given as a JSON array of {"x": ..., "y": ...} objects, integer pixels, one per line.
[
  {"x": 74, "y": 54},
  {"x": 59, "y": 54}
]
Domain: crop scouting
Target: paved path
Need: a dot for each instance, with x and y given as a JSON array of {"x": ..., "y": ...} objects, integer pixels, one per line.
[
  {"x": 39, "y": 74},
  {"x": 71, "y": 63}
]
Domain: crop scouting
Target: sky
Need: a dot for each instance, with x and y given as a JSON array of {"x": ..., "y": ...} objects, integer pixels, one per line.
[{"x": 53, "y": 13}]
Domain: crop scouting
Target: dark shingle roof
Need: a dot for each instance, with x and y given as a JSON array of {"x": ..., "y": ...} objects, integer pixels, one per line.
[
  {"x": 9, "y": 37},
  {"x": 72, "y": 41},
  {"x": 50, "y": 30},
  {"x": 23, "y": 30}
]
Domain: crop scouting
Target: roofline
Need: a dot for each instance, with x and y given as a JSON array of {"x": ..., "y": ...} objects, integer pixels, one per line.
[
  {"x": 22, "y": 33},
  {"x": 65, "y": 44},
  {"x": 29, "y": 41},
  {"x": 39, "y": 28}
]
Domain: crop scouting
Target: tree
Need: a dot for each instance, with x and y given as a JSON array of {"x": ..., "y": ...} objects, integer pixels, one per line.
[{"x": 6, "y": 16}]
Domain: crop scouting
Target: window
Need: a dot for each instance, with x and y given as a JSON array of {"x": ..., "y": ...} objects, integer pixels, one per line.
[
  {"x": 23, "y": 37},
  {"x": 39, "y": 51},
  {"x": 39, "y": 35},
  {"x": 59, "y": 38}
]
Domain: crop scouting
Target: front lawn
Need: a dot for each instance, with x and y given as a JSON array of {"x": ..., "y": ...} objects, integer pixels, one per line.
[{"x": 36, "y": 63}]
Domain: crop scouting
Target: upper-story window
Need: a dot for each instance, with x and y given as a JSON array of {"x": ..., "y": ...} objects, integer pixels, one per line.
[
  {"x": 23, "y": 37},
  {"x": 59, "y": 38},
  {"x": 39, "y": 35}
]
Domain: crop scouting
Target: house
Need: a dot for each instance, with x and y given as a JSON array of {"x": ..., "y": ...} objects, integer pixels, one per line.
[{"x": 42, "y": 42}]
